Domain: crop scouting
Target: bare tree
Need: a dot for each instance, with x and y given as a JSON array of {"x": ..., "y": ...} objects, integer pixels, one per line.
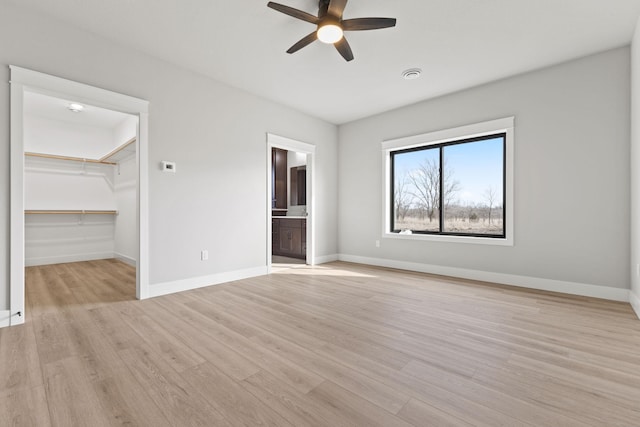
[
  {"x": 426, "y": 184},
  {"x": 401, "y": 196},
  {"x": 490, "y": 197},
  {"x": 451, "y": 186}
]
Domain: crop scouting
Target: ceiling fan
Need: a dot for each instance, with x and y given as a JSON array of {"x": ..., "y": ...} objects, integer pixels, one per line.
[{"x": 331, "y": 26}]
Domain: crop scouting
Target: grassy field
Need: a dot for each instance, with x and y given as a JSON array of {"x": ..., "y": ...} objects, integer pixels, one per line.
[{"x": 480, "y": 226}]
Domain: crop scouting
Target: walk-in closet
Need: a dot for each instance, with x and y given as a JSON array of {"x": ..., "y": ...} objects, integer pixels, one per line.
[{"x": 80, "y": 183}]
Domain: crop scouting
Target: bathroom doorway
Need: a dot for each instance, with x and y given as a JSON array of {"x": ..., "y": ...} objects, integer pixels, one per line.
[{"x": 290, "y": 203}]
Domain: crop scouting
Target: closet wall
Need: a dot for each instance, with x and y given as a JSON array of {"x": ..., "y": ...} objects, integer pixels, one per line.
[{"x": 99, "y": 195}]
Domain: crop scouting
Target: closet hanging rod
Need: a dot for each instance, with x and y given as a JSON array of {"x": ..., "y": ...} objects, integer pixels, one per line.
[
  {"x": 75, "y": 159},
  {"x": 61, "y": 212}
]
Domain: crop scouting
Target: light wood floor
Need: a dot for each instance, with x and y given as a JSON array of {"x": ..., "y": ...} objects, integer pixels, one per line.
[{"x": 335, "y": 345}]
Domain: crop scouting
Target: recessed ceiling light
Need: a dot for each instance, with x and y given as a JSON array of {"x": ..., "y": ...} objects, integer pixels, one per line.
[
  {"x": 411, "y": 73},
  {"x": 76, "y": 108}
]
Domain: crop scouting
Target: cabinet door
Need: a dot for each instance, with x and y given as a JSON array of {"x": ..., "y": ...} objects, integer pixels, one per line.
[
  {"x": 290, "y": 241},
  {"x": 275, "y": 236},
  {"x": 279, "y": 178}
]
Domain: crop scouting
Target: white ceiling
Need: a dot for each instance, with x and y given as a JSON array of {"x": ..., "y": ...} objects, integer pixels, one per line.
[
  {"x": 457, "y": 43},
  {"x": 48, "y": 107}
]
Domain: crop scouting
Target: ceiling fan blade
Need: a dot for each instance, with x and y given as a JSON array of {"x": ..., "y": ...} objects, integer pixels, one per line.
[
  {"x": 293, "y": 12},
  {"x": 336, "y": 7},
  {"x": 360, "y": 24},
  {"x": 344, "y": 49},
  {"x": 303, "y": 42}
]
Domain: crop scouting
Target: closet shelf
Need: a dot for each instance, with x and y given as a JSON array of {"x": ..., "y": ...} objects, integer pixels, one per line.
[
  {"x": 121, "y": 152},
  {"x": 62, "y": 212},
  {"x": 111, "y": 158},
  {"x": 74, "y": 159}
]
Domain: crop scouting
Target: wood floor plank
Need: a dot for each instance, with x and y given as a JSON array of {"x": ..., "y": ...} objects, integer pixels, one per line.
[
  {"x": 229, "y": 398},
  {"x": 180, "y": 320},
  {"x": 179, "y": 402},
  {"x": 24, "y": 407},
  {"x": 65, "y": 383},
  {"x": 298, "y": 408},
  {"x": 487, "y": 396},
  {"x": 334, "y": 345},
  {"x": 352, "y": 409},
  {"x": 417, "y": 413},
  {"x": 296, "y": 375},
  {"x": 126, "y": 402},
  {"x": 19, "y": 358}
]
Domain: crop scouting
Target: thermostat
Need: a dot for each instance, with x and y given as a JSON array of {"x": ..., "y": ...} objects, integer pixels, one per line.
[{"x": 168, "y": 166}]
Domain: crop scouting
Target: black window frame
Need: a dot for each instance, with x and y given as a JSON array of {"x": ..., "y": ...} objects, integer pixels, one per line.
[{"x": 441, "y": 211}]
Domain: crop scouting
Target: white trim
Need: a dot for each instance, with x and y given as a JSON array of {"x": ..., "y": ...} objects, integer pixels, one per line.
[
  {"x": 505, "y": 125},
  {"x": 634, "y": 299},
  {"x": 23, "y": 79},
  {"x": 573, "y": 288},
  {"x": 446, "y": 135},
  {"x": 124, "y": 258},
  {"x": 61, "y": 259},
  {"x": 325, "y": 259},
  {"x": 142, "y": 160},
  {"x": 16, "y": 189},
  {"x": 58, "y": 87},
  {"x": 276, "y": 141},
  {"x": 166, "y": 288}
]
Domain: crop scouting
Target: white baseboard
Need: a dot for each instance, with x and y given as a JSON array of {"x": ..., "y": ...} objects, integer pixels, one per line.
[
  {"x": 582, "y": 289},
  {"x": 30, "y": 262},
  {"x": 634, "y": 299},
  {"x": 325, "y": 259},
  {"x": 159, "y": 289},
  {"x": 127, "y": 260}
]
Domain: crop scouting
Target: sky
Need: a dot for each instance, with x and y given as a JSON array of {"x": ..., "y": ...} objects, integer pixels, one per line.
[{"x": 476, "y": 166}]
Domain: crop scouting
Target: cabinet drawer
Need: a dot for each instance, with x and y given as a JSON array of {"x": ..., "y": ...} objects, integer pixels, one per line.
[{"x": 291, "y": 223}]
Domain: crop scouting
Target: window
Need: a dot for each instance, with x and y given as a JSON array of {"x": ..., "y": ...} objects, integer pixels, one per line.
[{"x": 455, "y": 183}]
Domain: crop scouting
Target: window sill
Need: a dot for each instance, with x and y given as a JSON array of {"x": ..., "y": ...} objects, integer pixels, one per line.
[{"x": 495, "y": 241}]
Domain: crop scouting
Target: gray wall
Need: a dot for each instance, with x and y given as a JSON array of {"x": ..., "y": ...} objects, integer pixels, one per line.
[
  {"x": 215, "y": 133},
  {"x": 635, "y": 169},
  {"x": 572, "y": 174}
]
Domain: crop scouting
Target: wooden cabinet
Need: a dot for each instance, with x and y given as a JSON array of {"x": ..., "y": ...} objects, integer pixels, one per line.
[
  {"x": 289, "y": 237},
  {"x": 279, "y": 179}
]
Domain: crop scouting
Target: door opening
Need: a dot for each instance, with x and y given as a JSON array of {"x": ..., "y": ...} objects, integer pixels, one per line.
[
  {"x": 50, "y": 197},
  {"x": 290, "y": 167}
]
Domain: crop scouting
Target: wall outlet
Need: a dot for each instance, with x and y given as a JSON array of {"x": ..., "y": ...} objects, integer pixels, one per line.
[
  {"x": 166, "y": 166},
  {"x": 377, "y": 243},
  {"x": 204, "y": 255}
]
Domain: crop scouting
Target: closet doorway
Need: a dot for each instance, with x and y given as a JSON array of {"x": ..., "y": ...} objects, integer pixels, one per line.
[
  {"x": 78, "y": 189},
  {"x": 290, "y": 166}
]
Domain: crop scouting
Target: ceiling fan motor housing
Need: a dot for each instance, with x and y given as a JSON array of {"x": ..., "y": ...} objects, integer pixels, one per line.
[{"x": 330, "y": 25}]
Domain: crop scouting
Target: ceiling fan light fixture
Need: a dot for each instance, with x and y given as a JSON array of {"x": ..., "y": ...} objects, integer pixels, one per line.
[{"x": 330, "y": 33}]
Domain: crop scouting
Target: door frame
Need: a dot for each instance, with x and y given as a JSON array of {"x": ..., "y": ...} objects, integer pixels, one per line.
[
  {"x": 22, "y": 80},
  {"x": 276, "y": 141}
]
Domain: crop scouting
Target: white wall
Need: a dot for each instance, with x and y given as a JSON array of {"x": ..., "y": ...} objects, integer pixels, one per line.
[
  {"x": 571, "y": 179},
  {"x": 44, "y": 135},
  {"x": 126, "y": 130},
  {"x": 63, "y": 185},
  {"x": 635, "y": 170},
  {"x": 126, "y": 228},
  {"x": 215, "y": 133}
]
